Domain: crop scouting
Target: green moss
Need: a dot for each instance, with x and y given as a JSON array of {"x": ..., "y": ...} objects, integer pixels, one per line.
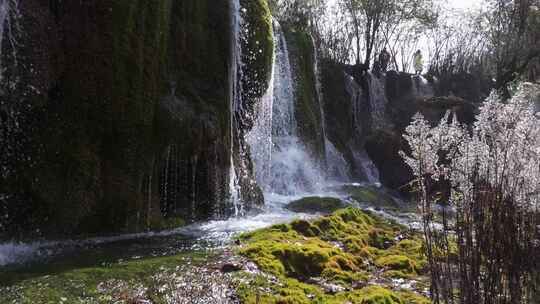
[
  {"x": 400, "y": 263},
  {"x": 316, "y": 205},
  {"x": 307, "y": 108},
  {"x": 373, "y": 295},
  {"x": 373, "y": 196},
  {"x": 259, "y": 291},
  {"x": 413, "y": 298},
  {"x": 257, "y": 51},
  {"x": 337, "y": 248},
  {"x": 76, "y": 285}
]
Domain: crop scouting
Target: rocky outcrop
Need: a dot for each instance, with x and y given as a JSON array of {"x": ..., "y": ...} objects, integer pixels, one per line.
[
  {"x": 350, "y": 108},
  {"x": 116, "y": 114}
]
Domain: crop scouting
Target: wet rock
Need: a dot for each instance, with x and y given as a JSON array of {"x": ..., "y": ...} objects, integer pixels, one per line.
[{"x": 316, "y": 205}]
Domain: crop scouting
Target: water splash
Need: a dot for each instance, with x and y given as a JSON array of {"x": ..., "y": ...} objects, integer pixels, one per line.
[
  {"x": 292, "y": 169},
  {"x": 260, "y": 137},
  {"x": 355, "y": 92},
  {"x": 283, "y": 119},
  {"x": 235, "y": 96}
]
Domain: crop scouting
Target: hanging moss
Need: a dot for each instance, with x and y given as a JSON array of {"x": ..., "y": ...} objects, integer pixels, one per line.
[
  {"x": 258, "y": 47},
  {"x": 307, "y": 107}
]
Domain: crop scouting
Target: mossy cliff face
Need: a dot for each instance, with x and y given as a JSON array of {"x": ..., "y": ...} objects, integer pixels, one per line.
[
  {"x": 307, "y": 108},
  {"x": 257, "y": 45},
  {"x": 122, "y": 115},
  {"x": 349, "y": 251}
]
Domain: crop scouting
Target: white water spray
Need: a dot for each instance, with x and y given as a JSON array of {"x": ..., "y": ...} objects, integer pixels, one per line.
[
  {"x": 292, "y": 170},
  {"x": 260, "y": 137},
  {"x": 377, "y": 101},
  {"x": 235, "y": 95},
  {"x": 355, "y": 92}
]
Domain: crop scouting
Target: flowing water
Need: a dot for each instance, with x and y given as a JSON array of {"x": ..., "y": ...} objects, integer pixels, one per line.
[
  {"x": 377, "y": 101},
  {"x": 235, "y": 93},
  {"x": 287, "y": 167}
]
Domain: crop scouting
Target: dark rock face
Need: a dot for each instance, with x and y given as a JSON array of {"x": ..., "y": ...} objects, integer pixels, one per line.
[
  {"x": 383, "y": 148},
  {"x": 115, "y": 116},
  {"x": 316, "y": 205},
  {"x": 342, "y": 130}
]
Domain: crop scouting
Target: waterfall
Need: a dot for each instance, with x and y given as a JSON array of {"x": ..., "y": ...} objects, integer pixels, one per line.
[
  {"x": 260, "y": 137},
  {"x": 337, "y": 167},
  {"x": 282, "y": 163},
  {"x": 235, "y": 95},
  {"x": 355, "y": 91},
  {"x": 362, "y": 160},
  {"x": 320, "y": 99},
  {"x": 377, "y": 101},
  {"x": 283, "y": 119}
]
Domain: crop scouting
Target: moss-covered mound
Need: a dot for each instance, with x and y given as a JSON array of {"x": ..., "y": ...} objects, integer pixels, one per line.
[
  {"x": 316, "y": 205},
  {"x": 332, "y": 260}
]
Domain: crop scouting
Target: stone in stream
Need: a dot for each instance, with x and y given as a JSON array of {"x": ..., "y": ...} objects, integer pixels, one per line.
[{"x": 316, "y": 205}]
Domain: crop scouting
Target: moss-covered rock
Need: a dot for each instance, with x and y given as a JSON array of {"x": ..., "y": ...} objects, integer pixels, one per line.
[
  {"x": 127, "y": 117},
  {"x": 340, "y": 249},
  {"x": 377, "y": 197},
  {"x": 316, "y": 205},
  {"x": 257, "y": 50}
]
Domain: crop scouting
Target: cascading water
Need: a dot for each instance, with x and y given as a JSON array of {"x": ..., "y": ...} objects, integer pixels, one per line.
[
  {"x": 362, "y": 160},
  {"x": 286, "y": 168},
  {"x": 377, "y": 101},
  {"x": 338, "y": 169},
  {"x": 293, "y": 171},
  {"x": 235, "y": 95},
  {"x": 320, "y": 99},
  {"x": 355, "y": 92},
  {"x": 260, "y": 137}
]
